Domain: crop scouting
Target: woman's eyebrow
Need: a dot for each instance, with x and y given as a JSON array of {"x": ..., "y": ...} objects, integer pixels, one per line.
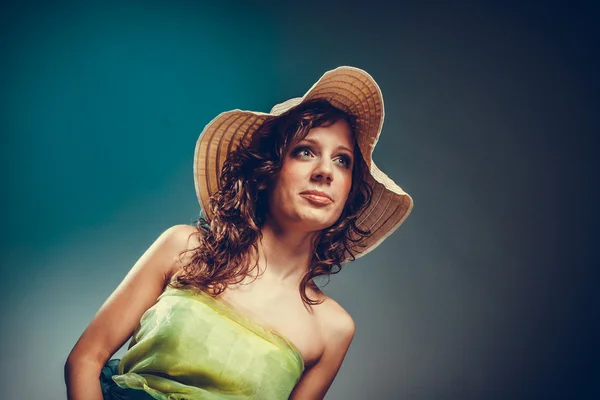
[{"x": 316, "y": 142}]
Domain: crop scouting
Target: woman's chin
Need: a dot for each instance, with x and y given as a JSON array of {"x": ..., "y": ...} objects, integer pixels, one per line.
[{"x": 317, "y": 223}]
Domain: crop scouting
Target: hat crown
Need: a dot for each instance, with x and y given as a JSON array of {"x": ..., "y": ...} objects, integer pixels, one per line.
[{"x": 280, "y": 108}]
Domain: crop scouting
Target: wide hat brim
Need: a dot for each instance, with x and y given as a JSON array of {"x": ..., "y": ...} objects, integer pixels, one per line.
[{"x": 351, "y": 90}]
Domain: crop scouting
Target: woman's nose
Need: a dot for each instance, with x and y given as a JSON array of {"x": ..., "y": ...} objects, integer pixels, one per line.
[{"x": 323, "y": 171}]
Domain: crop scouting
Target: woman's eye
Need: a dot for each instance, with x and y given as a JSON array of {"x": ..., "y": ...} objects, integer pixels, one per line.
[
  {"x": 303, "y": 152},
  {"x": 344, "y": 161}
]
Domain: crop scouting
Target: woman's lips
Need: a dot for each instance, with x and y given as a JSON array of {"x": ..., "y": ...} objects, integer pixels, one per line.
[{"x": 316, "y": 198}]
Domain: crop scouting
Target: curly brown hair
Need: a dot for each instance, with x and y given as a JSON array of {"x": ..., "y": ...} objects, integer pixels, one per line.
[{"x": 228, "y": 239}]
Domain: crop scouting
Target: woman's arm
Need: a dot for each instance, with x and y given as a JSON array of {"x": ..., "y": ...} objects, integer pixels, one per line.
[
  {"x": 315, "y": 382},
  {"x": 118, "y": 317}
]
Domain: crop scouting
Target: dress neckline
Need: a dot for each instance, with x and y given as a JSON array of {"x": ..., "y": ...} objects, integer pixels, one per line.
[{"x": 246, "y": 318}]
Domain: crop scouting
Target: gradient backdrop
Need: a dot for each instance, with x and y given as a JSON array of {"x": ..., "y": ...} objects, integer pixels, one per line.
[{"x": 488, "y": 289}]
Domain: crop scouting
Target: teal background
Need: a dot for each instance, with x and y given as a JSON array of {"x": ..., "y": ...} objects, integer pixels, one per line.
[{"x": 487, "y": 290}]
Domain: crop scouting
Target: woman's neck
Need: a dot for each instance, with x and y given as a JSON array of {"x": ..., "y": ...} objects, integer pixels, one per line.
[{"x": 285, "y": 255}]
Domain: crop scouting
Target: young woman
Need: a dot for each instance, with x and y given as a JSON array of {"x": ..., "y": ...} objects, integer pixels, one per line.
[{"x": 228, "y": 309}]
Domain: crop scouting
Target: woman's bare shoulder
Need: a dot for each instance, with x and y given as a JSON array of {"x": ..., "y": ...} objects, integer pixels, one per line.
[
  {"x": 184, "y": 239},
  {"x": 184, "y": 235},
  {"x": 334, "y": 319}
]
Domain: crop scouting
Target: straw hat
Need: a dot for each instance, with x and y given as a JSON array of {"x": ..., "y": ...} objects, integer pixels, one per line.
[{"x": 351, "y": 90}]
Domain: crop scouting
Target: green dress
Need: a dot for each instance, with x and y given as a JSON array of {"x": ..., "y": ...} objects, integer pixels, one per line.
[{"x": 191, "y": 346}]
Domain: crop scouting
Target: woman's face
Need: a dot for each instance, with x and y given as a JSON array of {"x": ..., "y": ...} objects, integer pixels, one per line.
[{"x": 312, "y": 187}]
